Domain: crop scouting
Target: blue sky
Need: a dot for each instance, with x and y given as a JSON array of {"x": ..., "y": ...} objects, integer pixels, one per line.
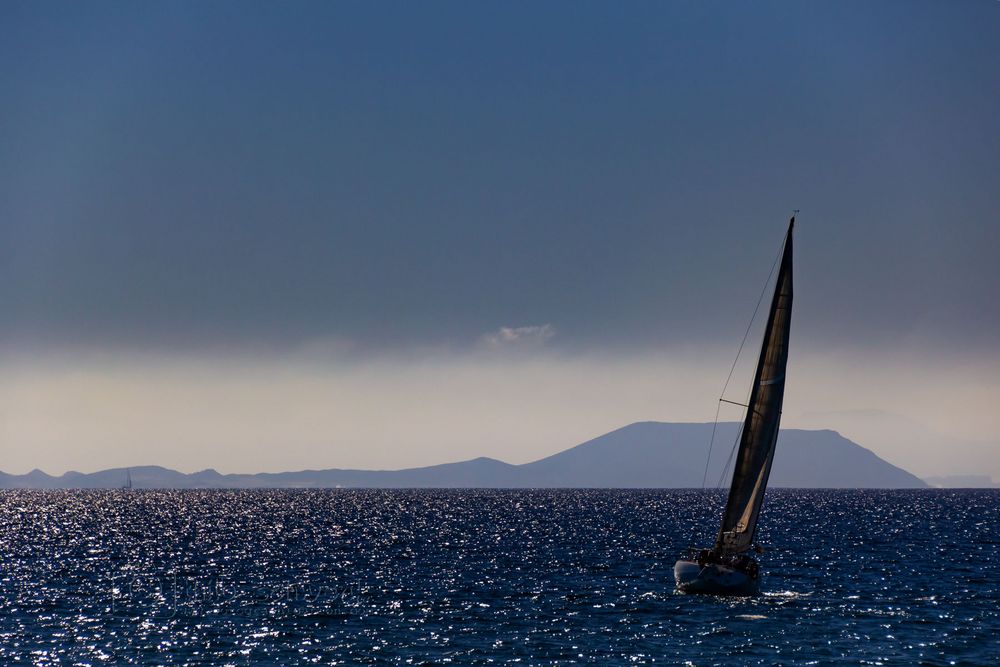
[{"x": 180, "y": 180}]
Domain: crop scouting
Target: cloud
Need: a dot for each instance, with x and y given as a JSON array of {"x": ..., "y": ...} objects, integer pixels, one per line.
[{"x": 510, "y": 336}]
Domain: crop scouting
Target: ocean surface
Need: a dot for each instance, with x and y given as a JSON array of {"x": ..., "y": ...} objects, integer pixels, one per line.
[{"x": 490, "y": 578}]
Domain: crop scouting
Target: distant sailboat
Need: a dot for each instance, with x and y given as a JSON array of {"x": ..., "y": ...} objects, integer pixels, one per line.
[
  {"x": 727, "y": 568},
  {"x": 128, "y": 478}
]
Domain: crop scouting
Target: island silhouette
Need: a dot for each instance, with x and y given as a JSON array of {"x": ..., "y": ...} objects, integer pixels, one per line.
[{"x": 640, "y": 455}]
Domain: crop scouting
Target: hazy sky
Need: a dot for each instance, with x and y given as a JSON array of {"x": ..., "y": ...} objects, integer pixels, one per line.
[{"x": 272, "y": 236}]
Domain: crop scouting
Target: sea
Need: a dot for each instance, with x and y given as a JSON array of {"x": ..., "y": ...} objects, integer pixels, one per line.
[{"x": 491, "y": 577}]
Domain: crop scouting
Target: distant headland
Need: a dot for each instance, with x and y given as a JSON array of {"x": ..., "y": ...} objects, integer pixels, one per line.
[{"x": 640, "y": 455}]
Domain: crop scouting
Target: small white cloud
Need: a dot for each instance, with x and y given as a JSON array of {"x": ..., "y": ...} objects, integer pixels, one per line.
[{"x": 509, "y": 336}]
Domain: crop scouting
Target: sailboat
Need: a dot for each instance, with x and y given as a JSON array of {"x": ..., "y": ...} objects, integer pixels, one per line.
[
  {"x": 728, "y": 568},
  {"x": 128, "y": 478}
]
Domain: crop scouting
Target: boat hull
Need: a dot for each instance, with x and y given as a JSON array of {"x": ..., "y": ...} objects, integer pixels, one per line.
[{"x": 714, "y": 579}]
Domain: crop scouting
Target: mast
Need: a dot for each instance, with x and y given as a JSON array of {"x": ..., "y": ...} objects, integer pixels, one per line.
[{"x": 760, "y": 430}]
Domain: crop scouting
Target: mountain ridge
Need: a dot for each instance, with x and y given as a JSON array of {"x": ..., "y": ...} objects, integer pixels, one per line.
[{"x": 640, "y": 455}]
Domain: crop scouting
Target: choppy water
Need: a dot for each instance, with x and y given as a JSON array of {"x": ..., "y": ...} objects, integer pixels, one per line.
[{"x": 489, "y": 577}]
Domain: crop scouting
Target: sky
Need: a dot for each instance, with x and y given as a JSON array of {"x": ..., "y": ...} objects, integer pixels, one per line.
[{"x": 259, "y": 236}]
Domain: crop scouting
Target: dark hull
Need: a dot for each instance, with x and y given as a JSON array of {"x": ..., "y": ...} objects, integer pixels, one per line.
[{"x": 714, "y": 579}]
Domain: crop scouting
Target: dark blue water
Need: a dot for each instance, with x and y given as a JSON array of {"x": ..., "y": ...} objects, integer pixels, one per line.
[{"x": 489, "y": 577}]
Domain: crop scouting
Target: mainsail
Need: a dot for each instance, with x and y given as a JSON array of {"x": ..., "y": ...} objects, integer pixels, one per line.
[{"x": 760, "y": 430}]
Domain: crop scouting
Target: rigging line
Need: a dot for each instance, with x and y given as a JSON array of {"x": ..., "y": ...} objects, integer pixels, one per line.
[
  {"x": 715, "y": 424},
  {"x": 760, "y": 300},
  {"x": 725, "y": 468},
  {"x": 739, "y": 432},
  {"x": 732, "y": 369}
]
